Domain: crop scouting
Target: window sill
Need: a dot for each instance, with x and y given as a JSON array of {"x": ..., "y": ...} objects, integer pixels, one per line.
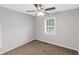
[{"x": 50, "y": 33}]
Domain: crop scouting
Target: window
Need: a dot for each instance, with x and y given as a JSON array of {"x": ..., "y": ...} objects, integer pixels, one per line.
[{"x": 50, "y": 25}]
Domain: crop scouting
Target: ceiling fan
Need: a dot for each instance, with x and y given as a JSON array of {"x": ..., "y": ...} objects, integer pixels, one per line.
[{"x": 40, "y": 11}]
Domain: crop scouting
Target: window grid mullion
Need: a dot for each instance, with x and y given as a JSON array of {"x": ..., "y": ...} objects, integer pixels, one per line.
[{"x": 49, "y": 25}]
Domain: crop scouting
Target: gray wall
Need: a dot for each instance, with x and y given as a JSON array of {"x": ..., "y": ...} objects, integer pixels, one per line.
[
  {"x": 17, "y": 28},
  {"x": 67, "y": 30}
]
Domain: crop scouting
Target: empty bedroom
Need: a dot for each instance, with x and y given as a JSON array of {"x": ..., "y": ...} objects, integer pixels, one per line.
[{"x": 39, "y": 29}]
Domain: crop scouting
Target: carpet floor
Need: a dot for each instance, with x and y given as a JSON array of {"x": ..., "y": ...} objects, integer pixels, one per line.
[{"x": 36, "y": 47}]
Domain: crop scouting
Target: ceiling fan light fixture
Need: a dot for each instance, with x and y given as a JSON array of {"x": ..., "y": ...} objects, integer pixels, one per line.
[{"x": 40, "y": 13}]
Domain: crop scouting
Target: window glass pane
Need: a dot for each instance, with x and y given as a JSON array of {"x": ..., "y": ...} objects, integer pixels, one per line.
[
  {"x": 50, "y": 29},
  {"x": 50, "y": 25},
  {"x": 52, "y": 22}
]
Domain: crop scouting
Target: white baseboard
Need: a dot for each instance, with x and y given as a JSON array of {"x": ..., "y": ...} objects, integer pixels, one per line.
[
  {"x": 39, "y": 40},
  {"x": 58, "y": 44},
  {"x": 78, "y": 51},
  {"x": 14, "y": 47}
]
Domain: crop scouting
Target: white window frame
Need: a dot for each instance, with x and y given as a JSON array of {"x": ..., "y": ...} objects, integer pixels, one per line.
[{"x": 53, "y": 32}]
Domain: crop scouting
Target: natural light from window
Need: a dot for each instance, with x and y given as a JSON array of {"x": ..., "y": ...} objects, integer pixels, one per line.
[{"x": 50, "y": 26}]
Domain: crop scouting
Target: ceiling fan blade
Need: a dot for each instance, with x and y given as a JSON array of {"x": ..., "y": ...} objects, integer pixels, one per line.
[
  {"x": 36, "y": 5},
  {"x": 31, "y": 11},
  {"x": 52, "y": 8}
]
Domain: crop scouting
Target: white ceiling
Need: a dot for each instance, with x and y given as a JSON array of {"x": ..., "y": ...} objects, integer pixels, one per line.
[{"x": 24, "y": 7}]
